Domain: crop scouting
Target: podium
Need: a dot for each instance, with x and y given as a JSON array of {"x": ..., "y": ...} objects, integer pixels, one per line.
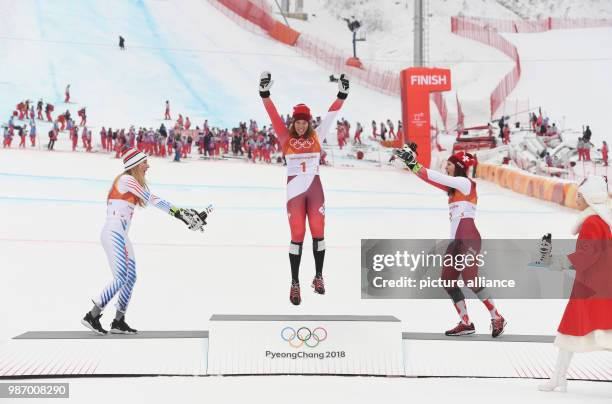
[{"x": 290, "y": 344}]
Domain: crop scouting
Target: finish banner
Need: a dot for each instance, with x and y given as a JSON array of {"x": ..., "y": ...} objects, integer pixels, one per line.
[{"x": 417, "y": 83}]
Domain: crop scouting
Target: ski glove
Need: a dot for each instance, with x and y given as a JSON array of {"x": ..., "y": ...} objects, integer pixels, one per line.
[
  {"x": 343, "y": 86},
  {"x": 265, "y": 84},
  {"x": 194, "y": 220},
  {"x": 408, "y": 155},
  {"x": 204, "y": 214}
]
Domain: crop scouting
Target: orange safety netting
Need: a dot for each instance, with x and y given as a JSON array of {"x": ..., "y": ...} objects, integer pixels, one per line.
[{"x": 551, "y": 190}]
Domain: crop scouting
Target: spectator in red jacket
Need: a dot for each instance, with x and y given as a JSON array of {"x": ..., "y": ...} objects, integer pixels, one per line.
[
  {"x": 74, "y": 137},
  {"x": 103, "y": 138},
  {"x": 340, "y": 134},
  {"x": 587, "y": 149},
  {"x": 506, "y": 133},
  {"x": 21, "y": 109},
  {"x": 358, "y": 131},
  {"x": 391, "y": 129},
  {"x": 22, "y": 137},
  {"x": 83, "y": 115},
  {"x": 62, "y": 121},
  {"x": 52, "y": 138},
  {"x": 48, "y": 109},
  {"x": 84, "y": 139},
  {"x": 39, "y": 108}
]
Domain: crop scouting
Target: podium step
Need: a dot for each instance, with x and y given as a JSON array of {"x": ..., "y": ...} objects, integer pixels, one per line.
[
  {"x": 91, "y": 335},
  {"x": 82, "y": 353},
  {"x": 508, "y": 356}
]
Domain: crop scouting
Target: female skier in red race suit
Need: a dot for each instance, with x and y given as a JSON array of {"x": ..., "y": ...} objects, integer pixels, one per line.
[
  {"x": 301, "y": 145},
  {"x": 465, "y": 238}
]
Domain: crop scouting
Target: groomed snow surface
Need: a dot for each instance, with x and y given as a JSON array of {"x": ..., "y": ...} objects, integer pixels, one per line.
[{"x": 317, "y": 389}]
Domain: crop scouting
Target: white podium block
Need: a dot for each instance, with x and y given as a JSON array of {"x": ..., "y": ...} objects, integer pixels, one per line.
[{"x": 289, "y": 344}]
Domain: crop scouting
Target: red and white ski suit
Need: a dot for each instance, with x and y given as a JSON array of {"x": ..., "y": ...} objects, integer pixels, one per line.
[{"x": 305, "y": 196}]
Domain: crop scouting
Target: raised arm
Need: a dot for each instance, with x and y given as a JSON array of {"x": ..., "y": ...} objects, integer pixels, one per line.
[
  {"x": 422, "y": 174},
  {"x": 327, "y": 122},
  {"x": 329, "y": 119},
  {"x": 444, "y": 182},
  {"x": 277, "y": 122},
  {"x": 265, "y": 84},
  {"x": 439, "y": 180}
]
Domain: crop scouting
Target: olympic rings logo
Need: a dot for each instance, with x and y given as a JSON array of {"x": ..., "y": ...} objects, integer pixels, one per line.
[
  {"x": 300, "y": 143},
  {"x": 303, "y": 336}
]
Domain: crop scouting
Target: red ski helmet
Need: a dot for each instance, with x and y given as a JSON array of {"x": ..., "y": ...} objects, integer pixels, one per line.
[
  {"x": 461, "y": 160},
  {"x": 301, "y": 111}
]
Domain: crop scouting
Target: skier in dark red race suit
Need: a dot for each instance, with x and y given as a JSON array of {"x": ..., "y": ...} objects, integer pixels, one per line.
[
  {"x": 462, "y": 200},
  {"x": 301, "y": 145}
]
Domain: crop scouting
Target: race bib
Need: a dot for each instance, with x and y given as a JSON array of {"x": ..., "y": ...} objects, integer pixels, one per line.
[
  {"x": 303, "y": 164},
  {"x": 459, "y": 210}
]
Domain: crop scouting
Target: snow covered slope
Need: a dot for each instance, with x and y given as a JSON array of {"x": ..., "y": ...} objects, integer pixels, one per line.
[
  {"x": 567, "y": 73},
  {"x": 206, "y": 65},
  {"x": 534, "y": 9},
  {"x": 187, "y": 52},
  {"x": 477, "y": 68}
]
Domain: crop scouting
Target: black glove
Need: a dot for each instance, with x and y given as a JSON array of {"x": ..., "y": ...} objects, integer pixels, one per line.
[
  {"x": 204, "y": 214},
  {"x": 408, "y": 155},
  {"x": 343, "y": 86},
  {"x": 265, "y": 83}
]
